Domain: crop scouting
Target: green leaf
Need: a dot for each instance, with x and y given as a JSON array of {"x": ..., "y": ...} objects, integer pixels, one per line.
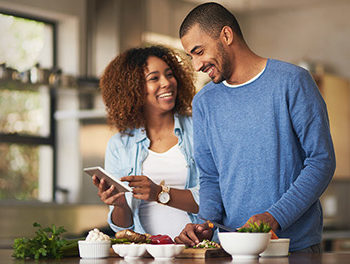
[
  {"x": 46, "y": 243},
  {"x": 256, "y": 228}
]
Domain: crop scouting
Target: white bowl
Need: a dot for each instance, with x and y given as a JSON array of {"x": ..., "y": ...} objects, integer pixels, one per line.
[
  {"x": 244, "y": 245},
  {"x": 94, "y": 249},
  {"x": 277, "y": 248},
  {"x": 165, "y": 251},
  {"x": 130, "y": 251}
]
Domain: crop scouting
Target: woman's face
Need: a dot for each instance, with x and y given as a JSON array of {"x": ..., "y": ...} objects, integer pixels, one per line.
[{"x": 161, "y": 86}]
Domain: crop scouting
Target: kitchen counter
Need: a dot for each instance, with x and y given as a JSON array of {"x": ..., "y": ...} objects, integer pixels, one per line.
[{"x": 325, "y": 258}]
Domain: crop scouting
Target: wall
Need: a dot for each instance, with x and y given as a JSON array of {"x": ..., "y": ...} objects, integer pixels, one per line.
[
  {"x": 319, "y": 33},
  {"x": 117, "y": 25}
]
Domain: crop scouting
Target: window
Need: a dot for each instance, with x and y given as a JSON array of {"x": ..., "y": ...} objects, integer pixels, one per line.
[{"x": 27, "y": 101}]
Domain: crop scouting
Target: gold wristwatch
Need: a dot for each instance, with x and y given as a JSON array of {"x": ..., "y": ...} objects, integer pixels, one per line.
[{"x": 164, "y": 195}]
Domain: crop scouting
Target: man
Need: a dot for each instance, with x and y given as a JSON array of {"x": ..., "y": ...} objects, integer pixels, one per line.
[{"x": 261, "y": 135}]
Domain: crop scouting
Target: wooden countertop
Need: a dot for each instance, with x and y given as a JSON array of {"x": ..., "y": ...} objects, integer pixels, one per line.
[{"x": 325, "y": 258}]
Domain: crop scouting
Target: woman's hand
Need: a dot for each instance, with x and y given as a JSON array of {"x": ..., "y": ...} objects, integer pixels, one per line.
[
  {"x": 109, "y": 195},
  {"x": 143, "y": 187}
]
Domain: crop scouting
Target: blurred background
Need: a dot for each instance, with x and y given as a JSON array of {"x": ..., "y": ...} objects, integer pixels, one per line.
[{"x": 52, "y": 118}]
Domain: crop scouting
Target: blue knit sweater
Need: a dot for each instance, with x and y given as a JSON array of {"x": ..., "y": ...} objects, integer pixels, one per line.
[{"x": 265, "y": 146}]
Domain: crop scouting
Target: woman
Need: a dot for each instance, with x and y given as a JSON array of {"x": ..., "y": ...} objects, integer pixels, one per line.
[{"x": 148, "y": 94}]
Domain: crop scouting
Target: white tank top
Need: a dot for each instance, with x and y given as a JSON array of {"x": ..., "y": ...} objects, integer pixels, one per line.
[{"x": 171, "y": 167}]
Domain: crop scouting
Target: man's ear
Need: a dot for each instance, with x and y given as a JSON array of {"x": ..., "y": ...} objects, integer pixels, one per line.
[{"x": 227, "y": 35}]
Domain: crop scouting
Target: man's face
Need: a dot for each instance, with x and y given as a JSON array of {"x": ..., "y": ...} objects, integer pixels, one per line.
[{"x": 208, "y": 54}]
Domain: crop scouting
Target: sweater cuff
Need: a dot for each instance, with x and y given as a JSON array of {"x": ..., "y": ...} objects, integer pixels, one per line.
[{"x": 278, "y": 217}]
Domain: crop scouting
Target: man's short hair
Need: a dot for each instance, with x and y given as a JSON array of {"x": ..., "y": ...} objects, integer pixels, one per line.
[{"x": 211, "y": 18}]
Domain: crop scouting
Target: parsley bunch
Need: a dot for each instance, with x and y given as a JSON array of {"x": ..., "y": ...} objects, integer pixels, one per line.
[{"x": 47, "y": 243}]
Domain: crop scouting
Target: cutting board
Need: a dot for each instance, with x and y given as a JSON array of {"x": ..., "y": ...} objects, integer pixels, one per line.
[{"x": 202, "y": 253}]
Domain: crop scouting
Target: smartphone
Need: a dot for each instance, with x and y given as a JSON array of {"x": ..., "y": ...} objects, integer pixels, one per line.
[{"x": 110, "y": 180}]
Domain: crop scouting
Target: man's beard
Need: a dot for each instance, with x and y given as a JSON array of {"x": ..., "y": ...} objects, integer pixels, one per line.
[{"x": 225, "y": 64}]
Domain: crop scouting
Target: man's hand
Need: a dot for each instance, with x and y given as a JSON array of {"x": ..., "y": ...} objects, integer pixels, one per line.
[
  {"x": 192, "y": 234},
  {"x": 264, "y": 217}
]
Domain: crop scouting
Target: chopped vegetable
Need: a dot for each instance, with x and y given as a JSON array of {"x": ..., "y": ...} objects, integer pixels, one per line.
[
  {"x": 47, "y": 243},
  {"x": 161, "y": 239},
  {"x": 207, "y": 244},
  {"x": 210, "y": 224},
  {"x": 273, "y": 235},
  {"x": 256, "y": 228}
]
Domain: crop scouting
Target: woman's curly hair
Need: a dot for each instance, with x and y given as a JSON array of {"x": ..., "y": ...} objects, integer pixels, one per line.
[{"x": 123, "y": 85}]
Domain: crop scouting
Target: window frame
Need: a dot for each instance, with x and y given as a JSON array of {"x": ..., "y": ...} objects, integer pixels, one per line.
[{"x": 49, "y": 140}]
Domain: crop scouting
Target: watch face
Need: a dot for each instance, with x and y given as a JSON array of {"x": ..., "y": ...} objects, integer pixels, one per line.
[{"x": 164, "y": 197}]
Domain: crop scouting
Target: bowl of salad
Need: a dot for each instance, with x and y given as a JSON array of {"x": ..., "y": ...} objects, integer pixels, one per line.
[{"x": 246, "y": 243}]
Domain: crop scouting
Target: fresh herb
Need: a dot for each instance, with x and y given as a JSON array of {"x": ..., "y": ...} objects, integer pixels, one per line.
[
  {"x": 47, "y": 243},
  {"x": 256, "y": 228}
]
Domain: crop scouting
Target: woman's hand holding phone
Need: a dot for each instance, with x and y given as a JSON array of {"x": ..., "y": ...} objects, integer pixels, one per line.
[{"x": 109, "y": 194}]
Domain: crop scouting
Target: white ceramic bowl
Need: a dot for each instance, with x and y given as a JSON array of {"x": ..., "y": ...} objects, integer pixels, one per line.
[
  {"x": 244, "y": 245},
  {"x": 94, "y": 249},
  {"x": 164, "y": 251},
  {"x": 130, "y": 251},
  {"x": 277, "y": 248}
]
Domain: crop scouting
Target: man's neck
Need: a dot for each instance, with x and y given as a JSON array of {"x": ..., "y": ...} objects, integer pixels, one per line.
[{"x": 246, "y": 66}]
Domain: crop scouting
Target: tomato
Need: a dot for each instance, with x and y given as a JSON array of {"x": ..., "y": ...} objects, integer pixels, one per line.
[{"x": 161, "y": 239}]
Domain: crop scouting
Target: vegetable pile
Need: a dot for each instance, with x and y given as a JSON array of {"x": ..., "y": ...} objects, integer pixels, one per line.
[
  {"x": 256, "y": 228},
  {"x": 47, "y": 243},
  {"x": 128, "y": 236},
  {"x": 207, "y": 244},
  {"x": 259, "y": 228}
]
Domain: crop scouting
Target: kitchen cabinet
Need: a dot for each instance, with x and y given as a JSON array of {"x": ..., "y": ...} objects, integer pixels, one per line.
[{"x": 336, "y": 93}]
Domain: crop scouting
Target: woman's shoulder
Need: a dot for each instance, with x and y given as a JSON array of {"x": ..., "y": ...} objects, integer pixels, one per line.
[
  {"x": 123, "y": 139},
  {"x": 185, "y": 125},
  {"x": 185, "y": 120}
]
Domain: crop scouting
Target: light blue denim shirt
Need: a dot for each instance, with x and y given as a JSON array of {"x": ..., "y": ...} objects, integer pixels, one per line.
[{"x": 125, "y": 155}]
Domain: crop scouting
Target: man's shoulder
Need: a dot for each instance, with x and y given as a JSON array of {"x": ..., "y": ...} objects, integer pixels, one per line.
[
  {"x": 285, "y": 68},
  {"x": 206, "y": 91}
]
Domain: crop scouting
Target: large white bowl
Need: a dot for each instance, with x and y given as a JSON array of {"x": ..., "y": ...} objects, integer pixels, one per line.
[
  {"x": 244, "y": 245},
  {"x": 94, "y": 249},
  {"x": 130, "y": 251},
  {"x": 164, "y": 251},
  {"x": 277, "y": 248}
]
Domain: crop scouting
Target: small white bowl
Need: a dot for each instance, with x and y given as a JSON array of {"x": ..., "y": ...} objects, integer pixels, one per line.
[
  {"x": 277, "y": 248},
  {"x": 244, "y": 246},
  {"x": 164, "y": 251},
  {"x": 130, "y": 251},
  {"x": 94, "y": 249}
]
